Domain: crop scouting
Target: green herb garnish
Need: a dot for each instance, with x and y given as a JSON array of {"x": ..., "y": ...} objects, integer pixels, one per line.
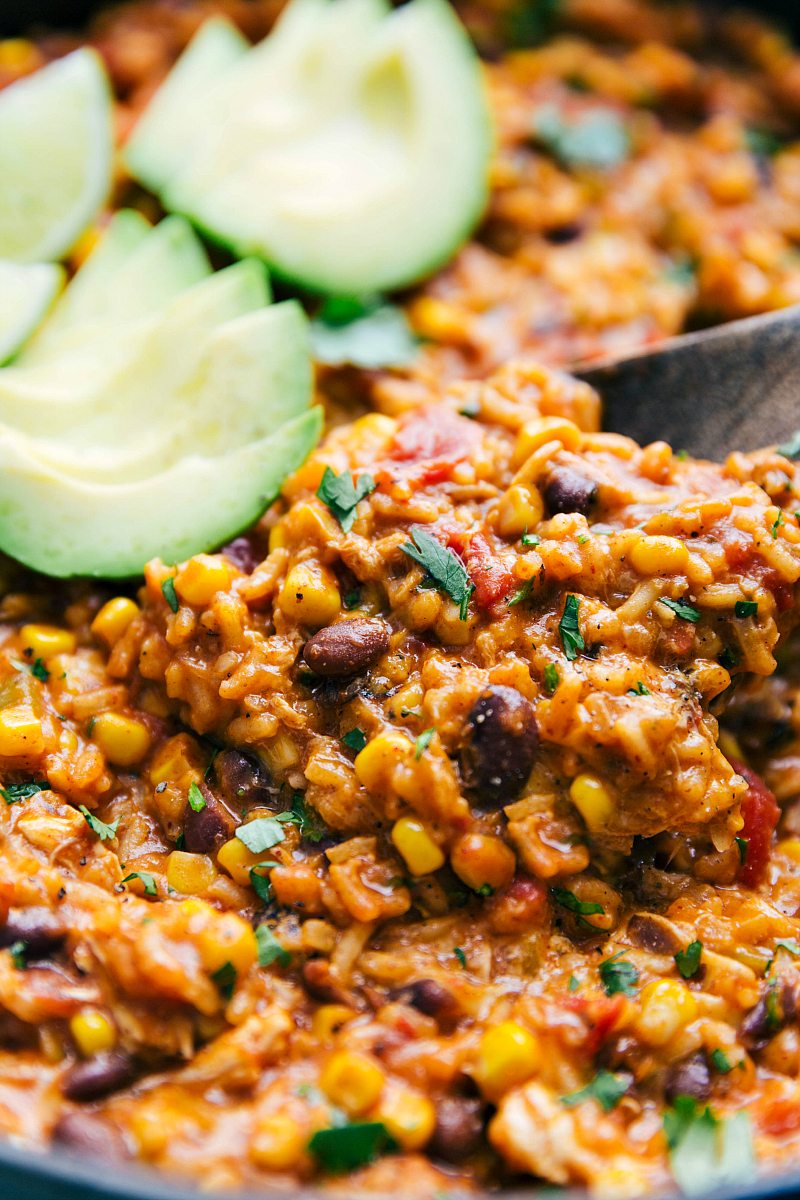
[
  {"x": 706, "y": 1152},
  {"x": 688, "y": 961},
  {"x": 146, "y": 879},
  {"x": 355, "y": 739},
  {"x": 461, "y": 956},
  {"x": 40, "y": 671},
  {"x": 106, "y": 833},
  {"x": 791, "y": 447},
  {"x": 617, "y": 976},
  {"x": 530, "y": 539},
  {"x": 442, "y": 565},
  {"x": 639, "y": 690},
  {"x": 17, "y": 950},
  {"x": 571, "y": 637},
  {"x": 606, "y": 1088},
  {"x": 307, "y": 820},
  {"x": 741, "y": 846},
  {"x": 581, "y": 908},
  {"x": 12, "y": 793},
  {"x": 686, "y": 612},
  {"x": 596, "y": 138},
  {"x": 422, "y": 742},
  {"x": 347, "y": 1147},
  {"x": 364, "y": 332},
  {"x": 342, "y": 494},
  {"x": 351, "y": 600},
  {"x": 745, "y": 608},
  {"x": 261, "y": 884},
  {"x": 779, "y": 520},
  {"x": 551, "y": 678},
  {"x": 721, "y": 1061},
  {"x": 225, "y": 979},
  {"x": 169, "y": 593},
  {"x": 788, "y": 944},
  {"x": 270, "y": 949},
  {"x": 263, "y": 833},
  {"x": 574, "y": 984},
  {"x": 197, "y": 800}
]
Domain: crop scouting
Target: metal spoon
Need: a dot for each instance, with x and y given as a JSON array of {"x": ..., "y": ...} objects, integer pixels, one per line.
[{"x": 734, "y": 387}]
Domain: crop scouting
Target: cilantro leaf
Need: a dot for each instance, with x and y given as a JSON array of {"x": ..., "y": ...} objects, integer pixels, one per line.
[
  {"x": 639, "y": 690},
  {"x": 197, "y": 800},
  {"x": 618, "y": 976},
  {"x": 745, "y": 608},
  {"x": 789, "y": 944},
  {"x": 686, "y": 612},
  {"x": 106, "y": 833},
  {"x": 343, "y": 493},
  {"x": 363, "y": 332},
  {"x": 551, "y": 678},
  {"x": 779, "y": 520},
  {"x": 225, "y": 979},
  {"x": 706, "y": 1152},
  {"x": 461, "y": 956},
  {"x": 688, "y": 961},
  {"x": 522, "y": 593},
  {"x": 355, "y": 739},
  {"x": 606, "y": 1088},
  {"x": 145, "y": 878},
  {"x": 596, "y": 138},
  {"x": 307, "y": 820},
  {"x": 791, "y": 447},
  {"x": 571, "y": 637},
  {"x": 582, "y": 908},
  {"x": 721, "y": 1061},
  {"x": 530, "y": 539},
  {"x": 40, "y": 671},
  {"x": 261, "y": 834},
  {"x": 270, "y": 949},
  {"x": 741, "y": 846},
  {"x": 261, "y": 884},
  {"x": 346, "y": 1147},
  {"x": 14, "y": 792},
  {"x": 443, "y": 566},
  {"x": 169, "y": 593},
  {"x": 18, "y": 950},
  {"x": 423, "y": 741}
]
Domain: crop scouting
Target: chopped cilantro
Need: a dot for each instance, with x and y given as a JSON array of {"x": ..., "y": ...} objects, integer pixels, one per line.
[
  {"x": 528, "y": 24},
  {"x": 530, "y": 539},
  {"x": 774, "y": 1018},
  {"x": 168, "y": 591},
  {"x": 551, "y": 677},
  {"x": 261, "y": 883},
  {"x": 342, "y": 494},
  {"x": 606, "y": 1088},
  {"x": 730, "y": 658},
  {"x": 779, "y": 520},
  {"x": 617, "y": 976},
  {"x": 581, "y": 908},
  {"x": 788, "y": 944},
  {"x": 571, "y": 638},
  {"x": 443, "y": 566},
  {"x": 461, "y": 956},
  {"x": 688, "y": 961},
  {"x": 17, "y": 950},
  {"x": 583, "y": 539},
  {"x": 522, "y": 593},
  {"x": 423, "y": 741},
  {"x": 106, "y": 833},
  {"x": 745, "y": 608},
  {"x": 485, "y": 889},
  {"x": 197, "y": 800},
  {"x": 741, "y": 846},
  {"x": 686, "y": 612},
  {"x": 721, "y": 1061},
  {"x": 261, "y": 834},
  {"x": 225, "y": 979},
  {"x": 270, "y": 949},
  {"x": 40, "y": 671},
  {"x": 596, "y": 138},
  {"x": 307, "y": 820},
  {"x": 363, "y": 332},
  {"x": 791, "y": 447},
  {"x": 355, "y": 739},
  {"x": 764, "y": 143},
  {"x": 351, "y": 600},
  {"x": 706, "y": 1152},
  {"x": 574, "y": 984},
  {"x": 639, "y": 690},
  {"x": 12, "y": 793},
  {"x": 146, "y": 879},
  {"x": 347, "y": 1147}
]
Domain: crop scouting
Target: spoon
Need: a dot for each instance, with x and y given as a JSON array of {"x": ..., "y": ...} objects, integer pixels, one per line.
[{"x": 733, "y": 387}]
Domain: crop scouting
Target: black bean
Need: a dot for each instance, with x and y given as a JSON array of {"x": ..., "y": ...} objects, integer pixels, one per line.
[
  {"x": 98, "y": 1076},
  {"x": 90, "y": 1135},
  {"x": 649, "y": 932},
  {"x": 691, "y": 1077},
  {"x": 459, "y": 1128},
  {"x": 567, "y": 491},
  {"x": 501, "y": 746},
  {"x": 758, "y": 1025},
  {"x": 426, "y": 995},
  {"x": 243, "y": 554},
  {"x": 244, "y": 781},
  {"x": 346, "y": 648},
  {"x": 40, "y": 930},
  {"x": 205, "y": 831},
  {"x": 560, "y": 235}
]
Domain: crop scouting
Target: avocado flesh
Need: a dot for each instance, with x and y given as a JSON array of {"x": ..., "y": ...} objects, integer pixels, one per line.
[
  {"x": 27, "y": 290},
  {"x": 65, "y": 526}
]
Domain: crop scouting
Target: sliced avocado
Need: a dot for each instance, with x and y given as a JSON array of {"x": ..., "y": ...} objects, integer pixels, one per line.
[
  {"x": 27, "y": 291},
  {"x": 64, "y": 526},
  {"x": 179, "y": 103},
  {"x": 353, "y": 160}
]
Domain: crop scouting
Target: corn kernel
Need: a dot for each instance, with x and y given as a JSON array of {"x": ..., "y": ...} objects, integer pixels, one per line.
[
  {"x": 352, "y": 1081},
  {"x": 536, "y": 432},
  {"x": 45, "y": 641},
  {"x": 374, "y": 764},
  {"x": 18, "y": 55},
  {"x": 198, "y": 580},
  {"x": 658, "y": 555},
  {"x": 277, "y": 537},
  {"x": 124, "y": 740},
  {"x": 189, "y": 873},
  {"x": 508, "y": 1055},
  {"x": 790, "y": 847},
  {"x": 520, "y": 509},
  {"x": 174, "y": 759},
  {"x": 667, "y": 1007},
  {"x": 592, "y": 799},
  {"x": 20, "y": 732},
  {"x": 92, "y": 1031},
  {"x": 328, "y": 1020},
  {"x": 228, "y": 939},
  {"x": 114, "y": 618},
  {"x": 310, "y": 596},
  {"x": 483, "y": 861},
  {"x": 416, "y": 846},
  {"x": 237, "y": 860},
  {"x": 278, "y": 1142},
  {"x": 409, "y": 1117}
]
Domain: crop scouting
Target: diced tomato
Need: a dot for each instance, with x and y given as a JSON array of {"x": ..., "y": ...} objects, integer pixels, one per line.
[
  {"x": 601, "y": 1014},
  {"x": 520, "y": 906},
  {"x": 432, "y": 441},
  {"x": 780, "y": 1117},
  {"x": 493, "y": 580},
  {"x": 760, "y": 813}
]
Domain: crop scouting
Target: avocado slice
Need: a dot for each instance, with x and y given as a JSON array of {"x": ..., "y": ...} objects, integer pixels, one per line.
[
  {"x": 352, "y": 160},
  {"x": 64, "y": 526},
  {"x": 27, "y": 290}
]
